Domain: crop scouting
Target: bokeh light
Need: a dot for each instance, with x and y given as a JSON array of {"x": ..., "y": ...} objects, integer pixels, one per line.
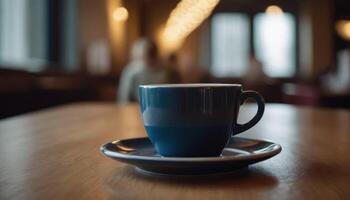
[
  {"x": 343, "y": 29},
  {"x": 273, "y": 9},
  {"x": 120, "y": 14}
]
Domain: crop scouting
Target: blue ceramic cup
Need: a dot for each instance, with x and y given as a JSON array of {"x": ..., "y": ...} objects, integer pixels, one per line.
[{"x": 194, "y": 120}]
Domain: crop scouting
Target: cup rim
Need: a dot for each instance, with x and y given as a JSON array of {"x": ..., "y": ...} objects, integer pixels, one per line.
[{"x": 190, "y": 85}]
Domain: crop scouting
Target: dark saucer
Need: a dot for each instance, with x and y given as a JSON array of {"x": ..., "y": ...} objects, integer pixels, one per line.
[{"x": 239, "y": 153}]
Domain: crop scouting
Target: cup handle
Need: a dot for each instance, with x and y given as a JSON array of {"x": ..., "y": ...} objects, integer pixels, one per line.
[{"x": 239, "y": 128}]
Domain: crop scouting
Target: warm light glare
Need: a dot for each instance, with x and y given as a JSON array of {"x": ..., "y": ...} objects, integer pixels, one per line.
[
  {"x": 186, "y": 17},
  {"x": 343, "y": 29},
  {"x": 347, "y": 29},
  {"x": 120, "y": 14},
  {"x": 273, "y": 9},
  {"x": 117, "y": 31}
]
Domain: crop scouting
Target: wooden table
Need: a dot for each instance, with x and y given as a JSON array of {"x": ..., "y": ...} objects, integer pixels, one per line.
[{"x": 54, "y": 154}]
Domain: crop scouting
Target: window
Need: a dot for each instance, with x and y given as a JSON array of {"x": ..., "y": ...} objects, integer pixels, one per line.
[
  {"x": 230, "y": 44},
  {"x": 13, "y": 43},
  {"x": 25, "y": 36},
  {"x": 274, "y": 43}
]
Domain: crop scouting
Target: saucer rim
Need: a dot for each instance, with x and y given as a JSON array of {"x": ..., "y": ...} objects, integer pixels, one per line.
[
  {"x": 190, "y": 85},
  {"x": 115, "y": 154}
]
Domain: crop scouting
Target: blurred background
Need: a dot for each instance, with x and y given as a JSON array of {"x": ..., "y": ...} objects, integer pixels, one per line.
[{"x": 54, "y": 52}]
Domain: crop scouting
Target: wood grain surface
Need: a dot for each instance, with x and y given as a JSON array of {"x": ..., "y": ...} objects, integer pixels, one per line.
[{"x": 54, "y": 154}]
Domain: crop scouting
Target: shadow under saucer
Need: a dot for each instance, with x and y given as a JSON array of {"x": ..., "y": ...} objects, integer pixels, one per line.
[{"x": 126, "y": 183}]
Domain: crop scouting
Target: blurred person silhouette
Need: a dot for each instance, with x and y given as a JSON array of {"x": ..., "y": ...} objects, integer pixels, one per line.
[
  {"x": 255, "y": 72},
  {"x": 191, "y": 72},
  {"x": 172, "y": 69},
  {"x": 336, "y": 79},
  {"x": 143, "y": 68}
]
